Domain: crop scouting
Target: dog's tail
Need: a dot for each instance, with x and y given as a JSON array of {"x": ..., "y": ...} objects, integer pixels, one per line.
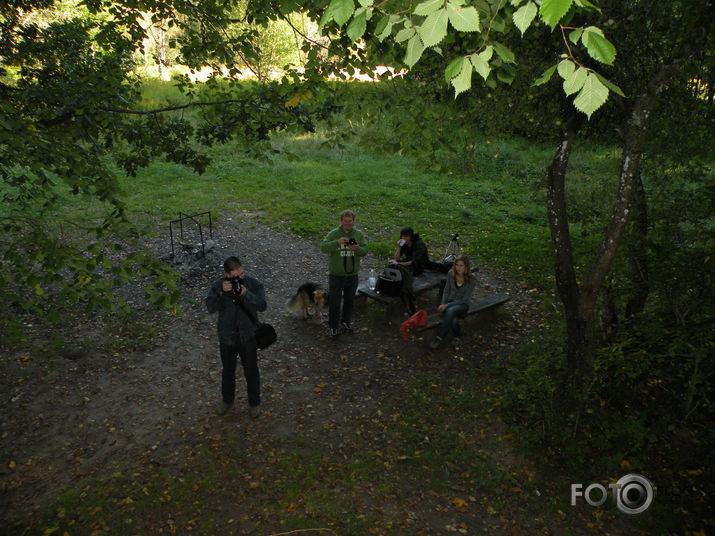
[{"x": 293, "y": 304}]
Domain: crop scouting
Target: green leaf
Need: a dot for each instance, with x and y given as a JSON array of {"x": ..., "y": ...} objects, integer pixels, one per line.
[
  {"x": 405, "y": 34},
  {"x": 506, "y": 55},
  {"x": 384, "y": 27},
  {"x": 428, "y": 7},
  {"x": 357, "y": 26},
  {"x": 339, "y": 10},
  {"x": 545, "y": 77},
  {"x": 481, "y": 65},
  {"x": 575, "y": 35},
  {"x": 454, "y": 68},
  {"x": 506, "y": 74},
  {"x": 566, "y": 68},
  {"x": 463, "y": 81},
  {"x": 415, "y": 48},
  {"x": 552, "y": 11},
  {"x": 587, "y": 4},
  {"x": 592, "y": 95},
  {"x": 599, "y": 48},
  {"x": 524, "y": 16},
  {"x": 497, "y": 24},
  {"x": 610, "y": 85},
  {"x": 463, "y": 19},
  {"x": 434, "y": 28},
  {"x": 575, "y": 81}
]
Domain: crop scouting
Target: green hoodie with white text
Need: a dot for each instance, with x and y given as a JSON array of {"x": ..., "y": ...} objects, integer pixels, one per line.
[{"x": 341, "y": 259}]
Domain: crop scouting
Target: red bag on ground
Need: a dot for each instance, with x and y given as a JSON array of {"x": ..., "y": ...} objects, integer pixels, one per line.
[{"x": 416, "y": 320}]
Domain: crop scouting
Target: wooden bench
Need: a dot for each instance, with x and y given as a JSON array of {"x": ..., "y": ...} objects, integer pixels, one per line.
[{"x": 492, "y": 302}]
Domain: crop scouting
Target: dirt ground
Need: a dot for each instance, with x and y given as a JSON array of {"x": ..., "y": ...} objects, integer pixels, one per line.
[{"x": 70, "y": 412}]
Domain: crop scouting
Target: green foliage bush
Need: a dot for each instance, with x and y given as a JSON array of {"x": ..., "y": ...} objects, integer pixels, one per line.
[{"x": 652, "y": 391}]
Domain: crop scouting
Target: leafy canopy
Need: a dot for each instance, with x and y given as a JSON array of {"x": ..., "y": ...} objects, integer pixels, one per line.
[
  {"x": 431, "y": 23},
  {"x": 71, "y": 118}
]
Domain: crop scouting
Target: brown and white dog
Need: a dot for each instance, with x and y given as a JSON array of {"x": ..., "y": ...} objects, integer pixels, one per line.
[{"x": 308, "y": 295}]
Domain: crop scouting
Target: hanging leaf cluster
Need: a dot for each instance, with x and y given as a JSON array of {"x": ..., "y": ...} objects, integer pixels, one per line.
[{"x": 428, "y": 24}]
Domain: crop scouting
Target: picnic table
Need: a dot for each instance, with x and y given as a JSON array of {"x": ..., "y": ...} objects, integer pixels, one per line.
[{"x": 422, "y": 283}]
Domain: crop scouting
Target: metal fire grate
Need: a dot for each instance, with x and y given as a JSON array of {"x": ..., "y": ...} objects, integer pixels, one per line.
[{"x": 195, "y": 219}]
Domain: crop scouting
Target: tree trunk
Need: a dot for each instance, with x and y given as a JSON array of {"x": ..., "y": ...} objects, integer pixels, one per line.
[
  {"x": 580, "y": 302},
  {"x": 607, "y": 314},
  {"x": 637, "y": 253},
  {"x": 579, "y": 327},
  {"x": 161, "y": 51}
]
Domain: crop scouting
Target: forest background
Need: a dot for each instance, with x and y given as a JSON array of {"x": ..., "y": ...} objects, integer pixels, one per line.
[{"x": 621, "y": 375}]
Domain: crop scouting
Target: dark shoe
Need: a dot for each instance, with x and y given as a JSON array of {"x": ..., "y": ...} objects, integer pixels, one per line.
[
  {"x": 254, "y": 411},
  {"x": 435, "y": 343},
  {"x": 333, "y": 333},
  {"x": 223, "y": 408},
  {"x": 348, "y": 327}
]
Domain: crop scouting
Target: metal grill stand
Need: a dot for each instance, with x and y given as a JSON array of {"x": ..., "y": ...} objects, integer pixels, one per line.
[{"x": 195, "y": 219}]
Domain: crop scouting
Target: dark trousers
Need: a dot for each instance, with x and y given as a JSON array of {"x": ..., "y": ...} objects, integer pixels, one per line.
[
  {"x": 249, "y": 359},
  {"x": 341, "y": 287},
  {"x": 450, "y": 320}
]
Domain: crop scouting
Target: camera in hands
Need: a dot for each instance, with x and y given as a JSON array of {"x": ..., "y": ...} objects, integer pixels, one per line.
[
  {"x": 352, "y": 242},
  {"x": 236, "y": 284}
]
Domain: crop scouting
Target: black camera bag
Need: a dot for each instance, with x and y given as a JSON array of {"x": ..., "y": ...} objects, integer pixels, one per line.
[
  {"x": 265, "y": 336},
  {"x": 389, "y": 282}
]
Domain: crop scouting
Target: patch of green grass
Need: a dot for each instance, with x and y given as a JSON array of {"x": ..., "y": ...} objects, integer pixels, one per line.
[
  {"x": 498, "y": 210},
  {"x": 386, "y": 192}
]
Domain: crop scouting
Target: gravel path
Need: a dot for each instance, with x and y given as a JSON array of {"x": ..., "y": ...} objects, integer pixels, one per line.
[{"x": 68, "y": 416}]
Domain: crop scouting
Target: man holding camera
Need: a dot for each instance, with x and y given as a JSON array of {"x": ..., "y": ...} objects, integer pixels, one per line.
[
  {"x": 344, "y": 246},
  {"x": 234, "y": 296}
]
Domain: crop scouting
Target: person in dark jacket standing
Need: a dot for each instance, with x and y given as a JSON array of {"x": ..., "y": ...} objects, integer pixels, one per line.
[{"x": 229, "y": 296}]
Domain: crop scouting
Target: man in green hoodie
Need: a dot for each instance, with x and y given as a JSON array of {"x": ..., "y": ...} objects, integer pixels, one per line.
[{"x": 344, "y": 246}]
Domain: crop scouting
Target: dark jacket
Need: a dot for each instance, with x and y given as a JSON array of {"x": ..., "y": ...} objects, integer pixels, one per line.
[
  {"x": 233, "y": 322},
  {"x": 417, "y": 253}
]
